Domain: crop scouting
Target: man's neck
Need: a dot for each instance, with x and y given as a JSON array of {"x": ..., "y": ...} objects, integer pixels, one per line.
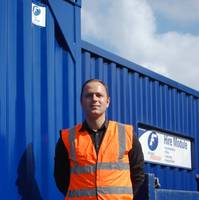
[{"x": 95, "y": 124}]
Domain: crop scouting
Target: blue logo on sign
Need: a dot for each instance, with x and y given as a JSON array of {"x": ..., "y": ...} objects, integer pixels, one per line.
[
  {"x": 36, "y": 10},
  {"x": 153, "y": 141}
]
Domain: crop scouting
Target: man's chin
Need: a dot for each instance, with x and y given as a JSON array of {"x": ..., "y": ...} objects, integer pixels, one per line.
[{"x": 95, "y": 115}]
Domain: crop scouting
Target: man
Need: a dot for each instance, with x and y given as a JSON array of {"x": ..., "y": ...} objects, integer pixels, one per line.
[{"x": 98, "y": 159}]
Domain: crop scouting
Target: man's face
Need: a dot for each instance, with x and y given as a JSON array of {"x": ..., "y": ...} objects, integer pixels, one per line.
[{"x": 94, "y": 100}]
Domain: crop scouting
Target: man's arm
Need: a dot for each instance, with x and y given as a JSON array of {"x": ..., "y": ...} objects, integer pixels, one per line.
[
  {"x": 62, "y": 167},
  {"x": 136, "y": 160}
]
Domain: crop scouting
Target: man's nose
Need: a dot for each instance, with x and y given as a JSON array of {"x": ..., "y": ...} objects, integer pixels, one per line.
[{"x": 94, "y": 97}]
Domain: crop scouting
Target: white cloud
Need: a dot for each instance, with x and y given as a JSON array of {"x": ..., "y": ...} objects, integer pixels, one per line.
[
  {"x": 127, "y": 28},
  {"x": 178, "y": 10}
]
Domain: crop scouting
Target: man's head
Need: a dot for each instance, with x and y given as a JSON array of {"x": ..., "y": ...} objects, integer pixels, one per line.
[
  {"x": 94, "y": 80},
  {"x": 94, "y": 98}
]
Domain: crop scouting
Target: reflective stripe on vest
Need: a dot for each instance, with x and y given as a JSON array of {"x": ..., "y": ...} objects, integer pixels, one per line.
[
  {"x": 71, "y": 141},
  {"x": 100, "y": 190},
  {"x": 122, "y": 140},
  {"x": 92, "y": 168}
]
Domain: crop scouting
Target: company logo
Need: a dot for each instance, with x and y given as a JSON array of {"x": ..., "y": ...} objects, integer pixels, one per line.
[
  {"x": 36, "y": 10},
  {"x": 153, "y": 141}
]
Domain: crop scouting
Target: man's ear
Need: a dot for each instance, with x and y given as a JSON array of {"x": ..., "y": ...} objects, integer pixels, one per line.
[{"x": 108, "y": 102}]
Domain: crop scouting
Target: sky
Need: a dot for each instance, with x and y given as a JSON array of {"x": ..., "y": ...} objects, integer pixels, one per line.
[{"x": 161, "y": 35}]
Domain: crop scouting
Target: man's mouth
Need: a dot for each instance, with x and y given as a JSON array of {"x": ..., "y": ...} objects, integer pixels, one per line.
[{"x": 94, "y": 106}]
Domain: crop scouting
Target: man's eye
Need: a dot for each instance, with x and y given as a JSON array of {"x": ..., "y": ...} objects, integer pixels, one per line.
[
  {"x": 99, "y": 95},
  {"x": 88, "y": 95}
]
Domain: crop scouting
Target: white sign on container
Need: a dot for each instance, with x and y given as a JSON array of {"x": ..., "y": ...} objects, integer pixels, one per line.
[
  {"x": 38, "y": 15},
  {"x": 163, "y": 148}
]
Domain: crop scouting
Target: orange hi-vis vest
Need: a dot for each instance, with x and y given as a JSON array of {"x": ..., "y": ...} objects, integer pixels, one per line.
[{"x": 102, "y": 176}]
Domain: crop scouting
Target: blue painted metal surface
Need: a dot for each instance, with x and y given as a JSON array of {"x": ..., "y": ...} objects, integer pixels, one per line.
[
  {"x": 139, "y": 96},
  {"x": 41, "y": 72},
  {"x": 176, "y": 194},
  {"x": 164, "y": 194}
]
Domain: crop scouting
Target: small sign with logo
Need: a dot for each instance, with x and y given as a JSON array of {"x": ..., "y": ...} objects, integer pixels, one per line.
[
  {"x": 165, "y": 148},
  {"x": 38, "y": 15}
]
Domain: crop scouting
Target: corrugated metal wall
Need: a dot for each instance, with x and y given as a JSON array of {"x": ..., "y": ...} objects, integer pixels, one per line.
[
  {"x": 141, "y": 96},
  {"x": 41, "y": 73}
]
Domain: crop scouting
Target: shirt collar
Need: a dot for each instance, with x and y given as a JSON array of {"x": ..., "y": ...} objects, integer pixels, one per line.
[{"x": 85, "y": 126}]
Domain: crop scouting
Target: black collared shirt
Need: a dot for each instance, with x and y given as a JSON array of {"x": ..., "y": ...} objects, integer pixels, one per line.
[
  {"x": 62, "y": 162},
  {"x": 97, "y": 136}
]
